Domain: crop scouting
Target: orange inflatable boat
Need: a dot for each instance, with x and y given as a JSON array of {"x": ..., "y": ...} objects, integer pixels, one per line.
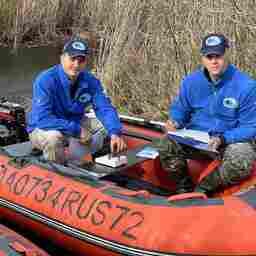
[
  {"x": 128, "y": 210},
  {"x": 14, "y": 244}
]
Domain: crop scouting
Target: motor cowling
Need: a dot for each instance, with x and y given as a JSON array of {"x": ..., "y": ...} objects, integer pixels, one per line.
[{"x": 12, "y": 123}]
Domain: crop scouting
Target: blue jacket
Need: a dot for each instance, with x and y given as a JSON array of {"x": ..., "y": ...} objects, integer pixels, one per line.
[
  {"x": 227, "y": 108},
  {"x": 54, "y": 109}
]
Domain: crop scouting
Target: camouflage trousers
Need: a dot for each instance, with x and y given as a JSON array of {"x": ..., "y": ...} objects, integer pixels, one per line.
[{"x": 237, "y": 160}]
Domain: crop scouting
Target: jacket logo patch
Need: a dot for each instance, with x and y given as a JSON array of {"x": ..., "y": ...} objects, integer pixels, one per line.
[
  {"x": 84, "y": 98},
  {"x": 230, "y": 103}
]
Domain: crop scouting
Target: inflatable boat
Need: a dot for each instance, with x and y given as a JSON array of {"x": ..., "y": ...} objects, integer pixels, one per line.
[
  {"x": 94, "y": 209},
  {"x": 12, "y": 243}
]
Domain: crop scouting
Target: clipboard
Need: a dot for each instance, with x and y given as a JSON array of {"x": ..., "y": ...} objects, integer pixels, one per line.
[{"x": 195, "y": 139}]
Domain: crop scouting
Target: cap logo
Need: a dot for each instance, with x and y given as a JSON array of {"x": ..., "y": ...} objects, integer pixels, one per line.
[
  {"x": 213, "y": 41},
  {"x": 78, "y": 46}
]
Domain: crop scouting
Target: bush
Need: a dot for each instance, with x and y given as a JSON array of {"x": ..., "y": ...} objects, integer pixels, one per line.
[{"x": 144, "y": 47}]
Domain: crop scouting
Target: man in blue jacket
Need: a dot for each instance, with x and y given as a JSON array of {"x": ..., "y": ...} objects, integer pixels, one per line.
[
  {"x": 221, "y": 100},
  {"x": 60, "y": 96}
]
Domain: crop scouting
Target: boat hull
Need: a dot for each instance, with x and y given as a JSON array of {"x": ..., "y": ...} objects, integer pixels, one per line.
[
  {"x": 110, "y": 215},
  {"x": 88, "y": 216},
  {"x": 12, "y": 243}
]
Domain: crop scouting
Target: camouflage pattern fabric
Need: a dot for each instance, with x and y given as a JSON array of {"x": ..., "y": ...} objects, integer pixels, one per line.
[
  {"x": 173, "y": 160},
  {"x": 236, "y": 165},
  {"x": 237, "y": 160}
]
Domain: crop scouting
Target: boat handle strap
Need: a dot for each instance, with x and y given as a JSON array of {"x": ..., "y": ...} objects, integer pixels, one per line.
[
  {"x": 209, "y": 169},
  {"x": 120, "y": 191},
  {"x": 143, "y": 193},
  {"x": 19, "y": 247},
  {"x": 193, "y": 195}
]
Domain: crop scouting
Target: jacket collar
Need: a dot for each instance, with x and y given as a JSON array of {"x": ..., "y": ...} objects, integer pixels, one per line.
[
  {"x": 66, "y": 82},
  {"x": 227, "y": 75}
]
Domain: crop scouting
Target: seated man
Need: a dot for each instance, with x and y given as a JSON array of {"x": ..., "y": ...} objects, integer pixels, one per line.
[
  {"x": 60, "y": 96},
  {"x": 221, "y": 100}
]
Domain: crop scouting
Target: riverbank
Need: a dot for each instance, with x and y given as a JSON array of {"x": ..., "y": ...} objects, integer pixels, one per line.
[{"x": 144, "y": 48}]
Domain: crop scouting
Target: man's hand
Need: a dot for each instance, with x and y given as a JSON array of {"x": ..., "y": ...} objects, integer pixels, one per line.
[
  {"x": 117, "y": 144},
  {"x": 214, "y": 143},
  {"x": 170, "y": 126}
]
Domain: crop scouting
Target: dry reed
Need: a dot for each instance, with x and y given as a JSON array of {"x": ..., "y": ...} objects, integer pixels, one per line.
[{"x": 145, "y": 47}]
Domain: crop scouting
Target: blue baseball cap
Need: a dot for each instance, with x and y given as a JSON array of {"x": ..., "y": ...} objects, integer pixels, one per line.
[
  {"x": 76, "y": 47},
  {"x": 214, "y": 44}
]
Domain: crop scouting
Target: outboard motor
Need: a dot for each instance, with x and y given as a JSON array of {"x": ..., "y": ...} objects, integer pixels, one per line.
[{"x": 12, "y": 123}]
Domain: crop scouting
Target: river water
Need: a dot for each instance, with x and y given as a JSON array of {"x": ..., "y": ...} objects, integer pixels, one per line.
[{"x": 18, "y": 70}]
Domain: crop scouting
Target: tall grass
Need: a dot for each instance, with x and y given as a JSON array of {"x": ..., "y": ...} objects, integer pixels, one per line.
[{"x": 144, "y": 47}]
